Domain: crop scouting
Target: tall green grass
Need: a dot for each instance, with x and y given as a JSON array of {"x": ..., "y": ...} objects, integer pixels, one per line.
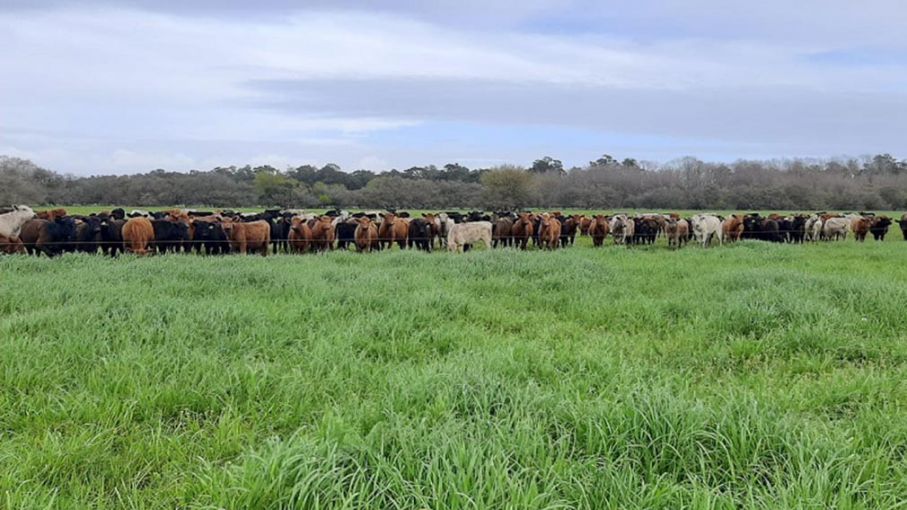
[{"x": 757, "y": 376}]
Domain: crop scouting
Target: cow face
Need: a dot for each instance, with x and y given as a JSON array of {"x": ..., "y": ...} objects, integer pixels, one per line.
[
  {"x": 752, "y": 223},
  {"x": 203, "y": 230},
  {"x": 882, "y": 222}
]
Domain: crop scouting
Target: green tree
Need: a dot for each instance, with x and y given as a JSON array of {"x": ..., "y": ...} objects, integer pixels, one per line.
[
  {"x": 547, "y": 164},
  {"x": 274, "y": 188},
  {"x": 508, "y": 187},
  {"x": 605, "y": 160}
]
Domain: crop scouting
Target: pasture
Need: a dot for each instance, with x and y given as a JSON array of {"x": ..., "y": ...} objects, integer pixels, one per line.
[{"x": 756, "y": 375}]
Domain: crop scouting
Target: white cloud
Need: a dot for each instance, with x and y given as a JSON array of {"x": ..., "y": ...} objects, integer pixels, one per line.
[{"x": 109, "y": 89}]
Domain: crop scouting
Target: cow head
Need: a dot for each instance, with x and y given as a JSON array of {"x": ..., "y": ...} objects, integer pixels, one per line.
[{"x": 881, "y": 222}]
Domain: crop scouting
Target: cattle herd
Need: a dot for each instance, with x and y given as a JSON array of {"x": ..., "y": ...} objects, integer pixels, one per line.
[{"x": 53, "y": 232}]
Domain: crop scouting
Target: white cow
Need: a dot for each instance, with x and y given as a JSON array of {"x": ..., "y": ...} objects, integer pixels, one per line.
[
  {"x": 444, "y": 226},
  {"x": 462, "y": 234},
  {"x": 340, "y": 218},
  {"x": 836, "y": 228},
  {"x": 810, "y": 227},
  {"x": 706, "y": 226},
  {"x": 12, "y": 221},
  {"x": 622, "y": 229}
]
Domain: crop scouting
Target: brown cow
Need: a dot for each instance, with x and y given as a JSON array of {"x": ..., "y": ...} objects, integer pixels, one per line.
[
  {"x": 434, "y": 222},
  {"x": 598, "y": 229},
  {"x": 138, "y": 235},
  {"x": 393, "y": 230},
  {"x": 503, "y": 232},
  {"x": 322, "y": 233},
  {"x": 732, "y": 228},
  {"x": 569, "y": 228},
  {"x": 549, "y": 231},
  {"x": 860, "y": 227},
  {"x": 584, "y": 225},
  {"x": 366, "y": 235},
  {"x": 300, "y": 237},
  {"x": 178, "y": 215},
  {"x": 246, "y": 237},
  {"x": 51, "y": 214},
  {"x": 11, "y": 245},
  {"x": 678, "y": 232},
  {"x": 523, "y": 230}
]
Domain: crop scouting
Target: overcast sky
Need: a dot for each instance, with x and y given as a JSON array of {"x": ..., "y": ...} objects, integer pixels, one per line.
[{"x": 129, "y": 86}]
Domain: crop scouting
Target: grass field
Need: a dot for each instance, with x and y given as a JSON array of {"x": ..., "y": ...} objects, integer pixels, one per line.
[{"x": 754, "y": 376}]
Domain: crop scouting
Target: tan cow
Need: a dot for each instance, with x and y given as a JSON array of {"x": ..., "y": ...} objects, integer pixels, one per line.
[
  {"x": 323, "y": 233},
  {"x": 138, "y": 235},
  {"x": 366, "y": 235},
  {"x": 732, "y": 228},
  {"x": 598, "y": 229},
  {"x": 677, "y": 232},
  {"x": 860, "y": 227},
  {"x": 549, "y": 231},
  {"x": 522, "y": 230},
  {"x": 249, "y": 237},
  {"x": 393, "y": 229},
  {"x": 300, "y": 237}
]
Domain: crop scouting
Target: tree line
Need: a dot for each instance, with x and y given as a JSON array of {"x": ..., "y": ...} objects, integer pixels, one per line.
[{"x": 869, "y": 183}]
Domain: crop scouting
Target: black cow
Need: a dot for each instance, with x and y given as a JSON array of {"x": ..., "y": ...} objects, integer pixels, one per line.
[
  {"x": 48, "y": 237},
  {"x": 879, "y": 227},
  {"x": 536, "y": 230},
  {"x": 752, "y": 226},
  {"x": 210, "y": 238},
  {"x": 454, "y": 216},
  {"x": 345, "y": 234},
  {"x": 784, "y": 229},
  {"x": 170, "y": 236},
  {"x": 420, "y": 234},
  {"x": 771, "y": 231},
  {"x": 477, "y": 216},
  {"x": 88, "y": 234},
  {"x": 118, "y": 214},
  {"x": 764, "y": 229},
  {"x": 280, "y": 232},
  {"x": 797, "y": 232},
  {"x": 645, "y": 230},
  {"x": 112, "y": 235}
]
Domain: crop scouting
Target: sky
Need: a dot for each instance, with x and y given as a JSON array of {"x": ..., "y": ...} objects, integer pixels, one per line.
[{"x": 101, "y": 87}]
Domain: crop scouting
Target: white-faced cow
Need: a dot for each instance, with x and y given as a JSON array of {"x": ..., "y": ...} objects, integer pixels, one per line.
[{"x": 705, "y": 227}]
